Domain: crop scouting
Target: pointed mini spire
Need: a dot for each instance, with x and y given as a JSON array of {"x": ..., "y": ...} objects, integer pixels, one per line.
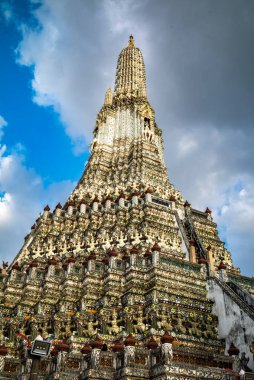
[
  {"x": 131, "y": 41},
  {"x": 186, "y": 204},
  {"x": 108, "y": 97}
]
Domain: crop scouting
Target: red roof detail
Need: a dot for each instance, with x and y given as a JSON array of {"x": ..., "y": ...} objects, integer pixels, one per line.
[
  {"x": 151, "y": 344},
  {"x": 167, "y": 338},
  {"x": 156, "y": 247},
  {"x": 130, "y": 341}
]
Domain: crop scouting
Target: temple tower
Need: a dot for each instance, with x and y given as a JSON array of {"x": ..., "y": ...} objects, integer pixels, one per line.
[{"x": 127, "y": 279}]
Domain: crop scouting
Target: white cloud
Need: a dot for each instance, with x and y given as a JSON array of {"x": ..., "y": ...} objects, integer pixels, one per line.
[
  {"x": 3, "y": 123},
  {"x": 7, "y": 11},
  {"x": 186, "y": 145},
  {"x": 237, "y": 221}
]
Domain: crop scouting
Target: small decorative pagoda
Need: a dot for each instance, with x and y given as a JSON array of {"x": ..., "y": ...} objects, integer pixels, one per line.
[{"x": 126, "y": 279}]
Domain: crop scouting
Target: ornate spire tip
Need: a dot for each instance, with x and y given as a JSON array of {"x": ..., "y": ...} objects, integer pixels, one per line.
[{"x": 131, "y": 41}]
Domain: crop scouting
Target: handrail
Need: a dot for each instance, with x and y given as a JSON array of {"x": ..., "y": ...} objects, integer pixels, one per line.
[
  {"x": 181, "y": 227},
  {"x": 195, "y": 236}
]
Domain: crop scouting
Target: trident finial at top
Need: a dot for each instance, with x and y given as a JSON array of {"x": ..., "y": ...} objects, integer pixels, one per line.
[{"x": 131, "y": 41}]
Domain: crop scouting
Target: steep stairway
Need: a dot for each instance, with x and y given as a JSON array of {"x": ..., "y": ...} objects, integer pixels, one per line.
[{"x": 239, "y": 295}]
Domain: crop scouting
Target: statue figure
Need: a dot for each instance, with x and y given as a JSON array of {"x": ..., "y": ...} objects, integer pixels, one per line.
[
  {"x": 244, "y": 360},
  {"x": 140, "y": 326},
  {"x": 167, "y": 352},
  {"x": 114, "y": 328}
]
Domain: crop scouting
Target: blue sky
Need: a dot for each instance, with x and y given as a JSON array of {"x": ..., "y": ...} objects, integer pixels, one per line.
[
  {"x": 59, "y": 57},
  {"x": 37, "y": 129}
]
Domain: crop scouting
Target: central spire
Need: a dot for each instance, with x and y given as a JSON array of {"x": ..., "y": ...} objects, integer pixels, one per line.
[
  {"x": 127, "y": 148},
  {"x": 130, "y": 72}
]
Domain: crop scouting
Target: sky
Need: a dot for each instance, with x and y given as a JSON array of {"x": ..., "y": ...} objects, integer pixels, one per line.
[{"x": 58, "y": 57}]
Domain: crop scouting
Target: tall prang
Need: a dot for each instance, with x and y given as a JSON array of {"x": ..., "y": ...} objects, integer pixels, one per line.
[
  {"x": 127, "y": 279},
  {"x": 127, "y": 149}
]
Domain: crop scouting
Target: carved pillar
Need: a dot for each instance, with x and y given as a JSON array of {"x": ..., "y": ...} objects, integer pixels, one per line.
[
  {"x": 108, "y": 202},
  {"x": 210, "y": 259},
  {"x": 129, "y": 350},
  {"x": 70, "y": 209},
  {"x": 156, "y": 254},
  {"x": 167, "y": 352},
  {"x": 134, "y": 200},
  {"x": 121, "y": 200},
  {"x": 46, "y": 212},
  {"x": 95, "y": 205},
  {"x": 222, "y": 272},
  {"x": 58, "y": 210},
  {"x": 82, "y": 208},
  {"x": 95, "y": 358},
  {"x": 193, "y": 257},
  {"x": 156, "y": 257}
]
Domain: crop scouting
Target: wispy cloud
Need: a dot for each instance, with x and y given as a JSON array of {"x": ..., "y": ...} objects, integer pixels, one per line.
[{"x": 7, "y": 11}]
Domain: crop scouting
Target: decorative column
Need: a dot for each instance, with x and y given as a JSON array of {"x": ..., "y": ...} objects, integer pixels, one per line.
[
  {"x": 70, "y": 208},
  {"x": 121, "y": 200},
  {"x": 173, "y": 202},
  {"x": 118, "y": 347},
  {"x": 82, "y": 208},
  {"x": 222, "y": 272},
  {"x": 86, "y": 353},
  {"x": 210, "y": 259},
  {"x": 112, "y": 255},
  {"x": 151, "y": 345},
  {"x": 133, "y": 252},
  {"x": 96, "y": 345},
  {"x": 52, "y": 263},
  {"x": 95, "y": 204},
  {"x": 129, "y": 350},
  {"x": 156, "y": 254},
  {"x": 203, "y": 262},
  {"x": 108, "y": 203},
  {"x": 193, "y": 256},
  {"x": 166, "y": 347},
  {"x": 209, "y": 214},
  {"x": 91, "y": 259},
  {"x": 46, "y": 212},
  {"x": 70, "y": 261},
  {"x": 58, "y": 210},
  {"x": 34, "y": 264},
  {"x": 148, "y": 194},
  {"x": 134, "y": 199}
]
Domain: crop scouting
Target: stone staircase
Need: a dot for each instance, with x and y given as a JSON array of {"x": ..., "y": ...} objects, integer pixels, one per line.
[
  {"x": 240, "y": 296},
  {"x": 189, "y": 225}
]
